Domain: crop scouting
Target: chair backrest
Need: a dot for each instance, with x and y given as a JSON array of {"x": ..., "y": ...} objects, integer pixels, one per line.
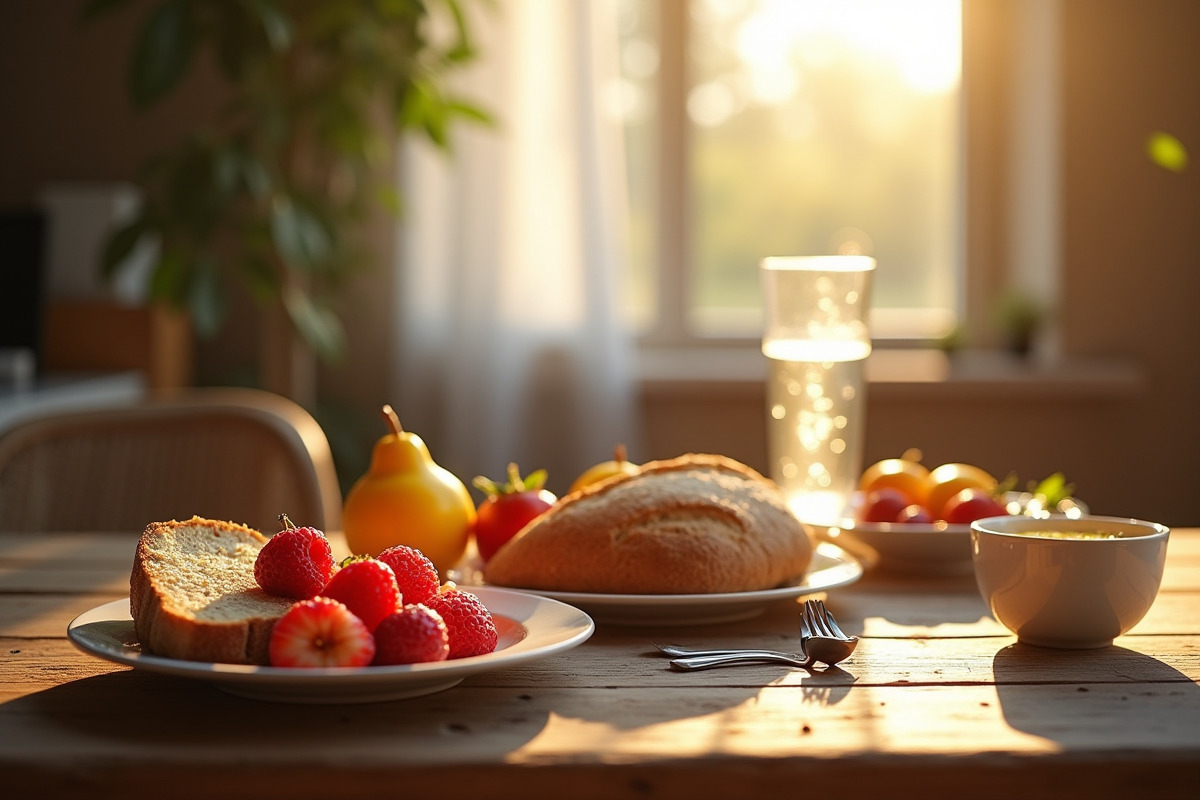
[{"x": 235, "y": 454}]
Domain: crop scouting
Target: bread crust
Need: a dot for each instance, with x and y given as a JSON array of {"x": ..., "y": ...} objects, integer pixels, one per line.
[
  {"x": 698, "y": 524},
  {"x": 215, "y": 614}
]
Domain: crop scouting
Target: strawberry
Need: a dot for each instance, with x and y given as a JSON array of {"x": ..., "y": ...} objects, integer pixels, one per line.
[
  {"x": 416, "y": 575},
  {"x": 320, "y": 632},
  {"x": 413, "y": 635},
  {"x": 470, "y": 625},
  {"x": 295, "y": 563},
  {"x": 368, "y": 588}
]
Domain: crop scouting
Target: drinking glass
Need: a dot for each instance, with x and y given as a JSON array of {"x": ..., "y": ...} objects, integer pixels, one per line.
[{"x": 817, "y": 341}]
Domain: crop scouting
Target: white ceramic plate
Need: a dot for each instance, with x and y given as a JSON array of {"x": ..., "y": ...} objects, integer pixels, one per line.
[
  {"x": 530, "y": 627},
  {"x": 831, "y": 568}
]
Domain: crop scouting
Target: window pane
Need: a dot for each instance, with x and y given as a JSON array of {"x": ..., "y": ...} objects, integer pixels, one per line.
[
  {"x": 823, "y": 126},
  {"x": 635, "y": 101},
  {"x": 817, "y": 126}
]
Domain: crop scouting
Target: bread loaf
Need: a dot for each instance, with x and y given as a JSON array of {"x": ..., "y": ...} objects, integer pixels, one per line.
[
  {"x": 193, "y": 596},
  {"x": 694, "y": 524}
]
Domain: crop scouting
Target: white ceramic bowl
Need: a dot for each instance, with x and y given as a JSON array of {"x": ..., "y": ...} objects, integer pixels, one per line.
[
  {"x": 1068, "y": 593},
  {"x": 934, "y": 548}
]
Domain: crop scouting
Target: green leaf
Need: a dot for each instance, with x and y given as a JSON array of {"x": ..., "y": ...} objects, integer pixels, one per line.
[
  {"x": 470, "y": 111},
  {"x": 1054, "y": 489},
  {"x": 206, "y": 297},
  {"x": 317, "y": 325},
  {"x": 120, "y": 245},
  {"x": 298, "y": 235},
  {"x": 462, "y": 50},
  {"x": 169, "y": 280},
  {"x": 423, "y": 107},
  {"x": 275, "y": 24},
  {"x": 162, "y": 52},
  {"x": 1167, "y": 151},
  {"x": 388, "y": 196}
]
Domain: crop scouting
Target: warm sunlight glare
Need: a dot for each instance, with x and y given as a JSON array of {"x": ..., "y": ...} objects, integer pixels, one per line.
[{"x": 919, "y": 38}]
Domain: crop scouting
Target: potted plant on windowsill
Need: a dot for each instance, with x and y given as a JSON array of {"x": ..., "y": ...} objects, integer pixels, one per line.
[
  {"x": 1020, "y": 318},
  {"x": 270, "y": 195}
]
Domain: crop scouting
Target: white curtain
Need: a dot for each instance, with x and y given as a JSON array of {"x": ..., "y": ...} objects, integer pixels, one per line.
[{"x": 508, "y": 346}]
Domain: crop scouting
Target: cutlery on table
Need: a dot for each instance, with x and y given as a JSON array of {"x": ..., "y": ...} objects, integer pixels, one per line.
[{"x": 821, "y": 641}]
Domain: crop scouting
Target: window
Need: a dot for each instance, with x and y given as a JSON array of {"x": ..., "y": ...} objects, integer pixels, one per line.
[{"x": 790, "y": 127}]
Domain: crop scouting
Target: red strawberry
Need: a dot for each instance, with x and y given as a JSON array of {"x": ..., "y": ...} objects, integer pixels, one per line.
[
  {"x": 471, "y": 627},
  {"x": 413, "y": 635},
  {"x": 320, "y": 633},
  {"x": 295, "y": 563},
  {"x": 416, "y": 575},
  {"x": 367, "y": 587}
]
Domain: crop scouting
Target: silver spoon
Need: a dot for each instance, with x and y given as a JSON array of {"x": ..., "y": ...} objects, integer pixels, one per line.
[{"x": 821, "y": 640}]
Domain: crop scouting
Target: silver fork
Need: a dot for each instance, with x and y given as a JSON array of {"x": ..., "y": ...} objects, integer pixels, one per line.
[{"x": 821, "y": 640}]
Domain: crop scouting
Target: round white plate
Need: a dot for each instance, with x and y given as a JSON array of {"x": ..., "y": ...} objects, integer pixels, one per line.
[
  {"x": 831, "y": 567},
  {"x": 530, "y": 627}
]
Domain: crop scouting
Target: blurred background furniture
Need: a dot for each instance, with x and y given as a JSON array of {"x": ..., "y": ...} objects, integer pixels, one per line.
[{"x": 238, "y": 454}]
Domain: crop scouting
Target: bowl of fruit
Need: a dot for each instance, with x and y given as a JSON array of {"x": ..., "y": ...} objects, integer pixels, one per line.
[{"x": 907, "y": 517}]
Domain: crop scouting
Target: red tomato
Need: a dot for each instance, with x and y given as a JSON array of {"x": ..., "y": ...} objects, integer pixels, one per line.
[
  {"x": 508, "y": 508},
  {"x": 884, "y": 505},
  {"x": 972, "y": 504}
]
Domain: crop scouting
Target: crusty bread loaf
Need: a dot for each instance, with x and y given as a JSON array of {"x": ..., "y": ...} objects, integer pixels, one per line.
[
  {"x": 193, "y": 595},
  {"x": 694, "y": 524}
]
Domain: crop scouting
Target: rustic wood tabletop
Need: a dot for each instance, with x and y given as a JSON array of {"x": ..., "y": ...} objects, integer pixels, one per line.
[{"x": 937, "y": 701}]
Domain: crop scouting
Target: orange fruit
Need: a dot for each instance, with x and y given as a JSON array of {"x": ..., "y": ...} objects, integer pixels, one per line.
[
  {"x": 903, "y": 474},
  {"x": 948, "y": 480}
]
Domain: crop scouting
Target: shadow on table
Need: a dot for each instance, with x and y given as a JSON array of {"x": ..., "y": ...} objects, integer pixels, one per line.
[
  {"x": 159, "y": 713},
  {"x": 1080, "y": 696}
]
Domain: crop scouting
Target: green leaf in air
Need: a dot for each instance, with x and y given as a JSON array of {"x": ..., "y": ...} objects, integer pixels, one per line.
[
  {"x": 275, "y": 23},
  {"x": 162, "y": 53},
  {"x": 120, "y": 245},
  {"x": 298, "y": 235},
  {"x": 206, "y": 298},
  {"x": 317, "y": 325},
  {"x": 1167, "y": 151}
]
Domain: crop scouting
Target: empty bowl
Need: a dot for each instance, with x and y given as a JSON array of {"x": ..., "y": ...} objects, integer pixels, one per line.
[{"x": 1068, "y": 583}]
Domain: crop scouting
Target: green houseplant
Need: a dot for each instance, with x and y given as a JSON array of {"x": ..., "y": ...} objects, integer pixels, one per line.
[{"x": 268, "y": 196}]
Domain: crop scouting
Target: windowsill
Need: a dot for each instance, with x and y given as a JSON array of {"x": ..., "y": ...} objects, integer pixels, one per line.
[{"x": 901, "y": 373}]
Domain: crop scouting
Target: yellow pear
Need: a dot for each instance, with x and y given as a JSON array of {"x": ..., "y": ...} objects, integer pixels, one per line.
[
  {"x": 605, "y": 470},
  {"x": 406, "y": 498}
]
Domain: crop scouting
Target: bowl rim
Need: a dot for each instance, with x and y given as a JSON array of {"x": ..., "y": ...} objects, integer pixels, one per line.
[{"x": 1156, "y": 530}]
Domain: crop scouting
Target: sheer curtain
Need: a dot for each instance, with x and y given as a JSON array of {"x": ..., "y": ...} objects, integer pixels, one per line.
[{"x": 508, "y": 343}]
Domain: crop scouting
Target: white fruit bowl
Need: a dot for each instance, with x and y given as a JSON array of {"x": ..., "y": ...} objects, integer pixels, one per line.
[{"x": 935, "y": 548}]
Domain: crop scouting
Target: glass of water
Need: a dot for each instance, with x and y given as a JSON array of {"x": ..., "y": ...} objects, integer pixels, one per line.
[{"x": 817, "y": 342}]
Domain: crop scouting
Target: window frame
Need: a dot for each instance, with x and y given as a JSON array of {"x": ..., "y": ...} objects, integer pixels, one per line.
[{"x": 1009, "y": 163}]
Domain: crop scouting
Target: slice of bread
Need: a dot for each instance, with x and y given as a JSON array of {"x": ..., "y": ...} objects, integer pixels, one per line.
[
  {"x": 696, "y": 524},
  {"x": 193, "y": 595}
]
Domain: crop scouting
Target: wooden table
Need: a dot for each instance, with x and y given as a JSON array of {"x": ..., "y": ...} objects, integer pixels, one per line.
[{"x": 938, "y": 701}]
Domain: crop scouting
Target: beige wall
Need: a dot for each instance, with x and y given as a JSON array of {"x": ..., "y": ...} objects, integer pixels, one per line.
[{"x": 1129, "y": 241}]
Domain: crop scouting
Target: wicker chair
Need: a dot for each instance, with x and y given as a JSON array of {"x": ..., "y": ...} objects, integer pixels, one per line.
[{"x": 235, "y": 454}]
